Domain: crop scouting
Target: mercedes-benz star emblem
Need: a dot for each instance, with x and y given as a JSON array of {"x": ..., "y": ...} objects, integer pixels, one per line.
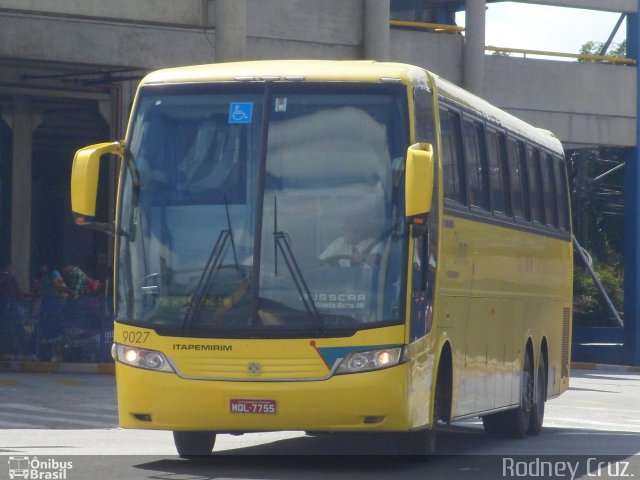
[{"x": 254, "y": 368}]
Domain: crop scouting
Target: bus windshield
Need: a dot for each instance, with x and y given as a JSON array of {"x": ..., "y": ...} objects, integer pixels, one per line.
[{"x": 263, "y": 210}]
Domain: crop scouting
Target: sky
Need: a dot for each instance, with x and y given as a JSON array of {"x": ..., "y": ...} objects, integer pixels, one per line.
[{"x": 539, "y": 27}]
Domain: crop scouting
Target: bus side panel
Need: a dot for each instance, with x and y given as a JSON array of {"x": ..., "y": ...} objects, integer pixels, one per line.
[{"x": 498, "y": 287}]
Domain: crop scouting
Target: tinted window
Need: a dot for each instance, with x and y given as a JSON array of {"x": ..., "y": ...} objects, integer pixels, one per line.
[
  {"x": 498, "y": 172},
  {"x": 560, "y": 174},
  {"x": 424, "y": 115},
  {"x": 549, "y": 190},
  {"x": 476, "y": 162},
  {"x": 535, "y": 187},
  {"x": 517, "y": 179},
  {"x": 452, "y": 158}
]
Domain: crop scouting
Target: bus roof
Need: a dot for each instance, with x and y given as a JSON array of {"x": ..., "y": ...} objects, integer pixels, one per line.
[
  {"x": 309, "y": 70},
  {"x": 488, "y": 111}
]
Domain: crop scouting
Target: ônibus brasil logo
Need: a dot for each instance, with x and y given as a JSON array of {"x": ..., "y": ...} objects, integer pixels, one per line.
[{"x": 35, "y": 469}]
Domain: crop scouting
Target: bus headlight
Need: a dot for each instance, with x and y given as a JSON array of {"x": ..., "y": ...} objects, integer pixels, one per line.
[
  {"x": 371, "y": 360},
  {"x": 142, "y": 358}
]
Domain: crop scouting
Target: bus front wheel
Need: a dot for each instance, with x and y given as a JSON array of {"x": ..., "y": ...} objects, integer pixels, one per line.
[
  {"x": 423, "y": 442},
  {"x": 191, "y": 444}
]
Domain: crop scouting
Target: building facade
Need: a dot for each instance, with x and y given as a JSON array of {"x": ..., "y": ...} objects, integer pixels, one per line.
[{"x": 69, "y": 69}]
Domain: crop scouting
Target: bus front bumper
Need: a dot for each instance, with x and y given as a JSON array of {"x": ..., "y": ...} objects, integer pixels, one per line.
[{"x": 371, "y": 401}]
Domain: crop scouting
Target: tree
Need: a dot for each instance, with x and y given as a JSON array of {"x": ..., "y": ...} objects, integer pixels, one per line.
[
  {"x": 596, "y": 179},
  {"x": 598, "y": 216},
  {"x": 595, "y": 48}
]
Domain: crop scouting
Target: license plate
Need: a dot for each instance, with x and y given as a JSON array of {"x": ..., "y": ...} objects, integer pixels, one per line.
[{"x": 242, "y": 405}]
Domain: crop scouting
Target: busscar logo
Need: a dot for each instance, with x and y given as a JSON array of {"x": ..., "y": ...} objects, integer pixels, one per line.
[{"x": 36, "y": 469}]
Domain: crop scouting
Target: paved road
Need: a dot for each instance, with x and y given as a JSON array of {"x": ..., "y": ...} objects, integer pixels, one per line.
[
  {"x": 55, "y": 401},
  {"x": 60, "y": 415}
]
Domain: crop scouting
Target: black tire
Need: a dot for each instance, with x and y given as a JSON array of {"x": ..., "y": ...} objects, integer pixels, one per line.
[
  {"x": 193, "y": 444},
  {"x": 494, "y": 424},
  {"x": 539, "y": 399},
  {"x": 517, "y": 420},
  {"x": 423, "y": 442},
  {"x": 515, "y": 423}
]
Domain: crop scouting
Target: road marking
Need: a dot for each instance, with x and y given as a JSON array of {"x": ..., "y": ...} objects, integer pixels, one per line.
[
  {"x": 35, "y": 408},
  {"x": 58, "y": 421}
]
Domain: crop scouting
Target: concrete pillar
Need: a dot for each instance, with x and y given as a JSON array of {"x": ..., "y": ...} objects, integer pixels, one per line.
[
  {"x": 632, "y": 215},
  {"x": 473, "y": 58},
  {"x": 22, "y": 125},
  {"x": 231, "y": 30},
  {"x": 377, "y": 31}
]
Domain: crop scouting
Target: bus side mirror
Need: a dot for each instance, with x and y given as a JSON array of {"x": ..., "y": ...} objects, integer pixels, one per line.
[
  {"x": 84, "y": 183},
  {"x": 419, "y": 179}
]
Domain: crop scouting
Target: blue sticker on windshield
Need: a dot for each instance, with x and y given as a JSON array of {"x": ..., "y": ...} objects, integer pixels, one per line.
[{"x": 240, "y": 112}]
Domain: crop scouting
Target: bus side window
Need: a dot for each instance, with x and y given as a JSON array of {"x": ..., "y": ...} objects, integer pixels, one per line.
[
  {"x": 496, "y": 151},
  {"x": 452, "y": 158},
  {"x": 535, "y": 184},
  {"x": 517, "y": 180},
  {"x": 425, "y": 131},
  {"x": 549, "y": 190},
  {"x": 476, "y": 162},
  {"x": 560, "y": 178}
]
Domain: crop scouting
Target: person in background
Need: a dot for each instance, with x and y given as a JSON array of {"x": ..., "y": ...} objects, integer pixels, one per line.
[
  {"x": 9, "y": 286},
  {"x": 75, "y": 279},
  {"x": 53, "y": 293},
  {"x": 51, "y": 283}
]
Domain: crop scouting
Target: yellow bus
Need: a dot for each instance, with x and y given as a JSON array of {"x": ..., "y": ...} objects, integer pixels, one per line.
[{"x": 333, "y": 246}]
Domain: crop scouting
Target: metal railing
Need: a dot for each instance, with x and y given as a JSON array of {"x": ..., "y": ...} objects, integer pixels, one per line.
[
  {"x": 576, "y": 56},
  {"x": 436, "y": 27},
  {"x": 445, "y": 28},
  {"x": 47, "y": 329}
]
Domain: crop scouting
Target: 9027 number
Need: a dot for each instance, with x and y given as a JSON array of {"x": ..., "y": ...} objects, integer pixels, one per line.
[{"x": 131, "y": 336}]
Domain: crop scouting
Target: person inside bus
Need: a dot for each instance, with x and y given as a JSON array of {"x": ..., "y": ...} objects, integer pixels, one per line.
[{"x": 357, "y": 246}]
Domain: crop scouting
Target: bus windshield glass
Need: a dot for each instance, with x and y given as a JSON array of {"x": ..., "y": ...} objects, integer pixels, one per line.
[{"x": 261, "y": 210}]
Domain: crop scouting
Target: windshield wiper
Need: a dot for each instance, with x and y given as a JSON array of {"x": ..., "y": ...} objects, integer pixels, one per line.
[
  {"x": 213, "y": 264},
  {"x": 282, "y": 244}
]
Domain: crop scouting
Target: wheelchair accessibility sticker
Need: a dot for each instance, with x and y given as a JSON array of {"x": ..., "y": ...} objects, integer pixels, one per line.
[{"x": 240, "y": 112}]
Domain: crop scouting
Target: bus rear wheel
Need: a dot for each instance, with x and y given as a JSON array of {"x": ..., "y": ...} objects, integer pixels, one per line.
[
  {"x": 494, "y": 424},
  {"x": 540, "y": 397},
  {"x": 192, "y": 444},
  {"x": 517, "y": 422}
]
